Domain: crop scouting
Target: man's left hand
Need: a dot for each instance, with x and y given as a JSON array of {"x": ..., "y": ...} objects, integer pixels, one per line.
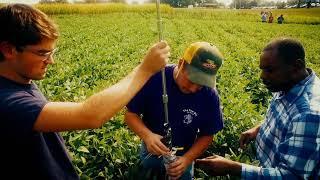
[{"x": 177, "y": 168}]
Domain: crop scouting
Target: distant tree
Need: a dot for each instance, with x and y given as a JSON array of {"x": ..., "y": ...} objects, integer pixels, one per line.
[
  {"x": 308, "y": 4},
  {"x": 253, "y": 3},
  {"x": 185, "y": 3},
  {"x": 292, "y": 2},
  {"x": 117, "y": 1},
  {"x": 234, "y": 4},
  {"x": 45, "y": 1},
  {"x": 212, "y": 1},
  {"x": 281, "y": 5},
  {"x": 179, "y": 3},
  {"x": 61, "y": 1},
  {"x": 299, "y": 3},
  {"x": 265, "y": 3},
  {"x": 99, "y": 1},
  {"x": 52, "y": 1},
  {"x": 244, "y": 4},
  {"x": 208, "y": 2}
]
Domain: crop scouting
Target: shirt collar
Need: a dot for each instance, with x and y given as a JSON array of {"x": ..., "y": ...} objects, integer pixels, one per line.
[{"x": 297, "y": 89}]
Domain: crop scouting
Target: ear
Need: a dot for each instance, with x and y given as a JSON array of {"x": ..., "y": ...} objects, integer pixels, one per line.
[
  {"x": 181, "y": 63},
  {"x": 7, "y": 50}
]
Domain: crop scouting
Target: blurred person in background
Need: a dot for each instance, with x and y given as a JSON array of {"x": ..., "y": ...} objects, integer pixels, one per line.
[{"x": 280, "y": 19}]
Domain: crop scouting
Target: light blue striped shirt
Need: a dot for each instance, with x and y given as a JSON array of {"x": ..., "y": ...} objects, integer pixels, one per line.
[{"x": 288, "y": 142}]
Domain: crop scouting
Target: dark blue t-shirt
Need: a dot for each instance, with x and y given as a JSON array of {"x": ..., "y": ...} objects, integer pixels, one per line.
[
  {"x": 190, "y": 115},
  {"x": 27, "y": 154}
]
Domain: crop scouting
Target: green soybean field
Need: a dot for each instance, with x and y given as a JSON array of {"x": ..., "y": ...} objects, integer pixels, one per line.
[{"x": 100, "y": 44}]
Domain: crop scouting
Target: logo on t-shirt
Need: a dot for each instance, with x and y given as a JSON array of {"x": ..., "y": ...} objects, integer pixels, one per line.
[{"x": 189, "y": 116}]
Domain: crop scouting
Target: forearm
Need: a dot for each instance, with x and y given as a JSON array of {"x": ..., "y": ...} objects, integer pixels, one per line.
[
  {"x": 102, "y": 106},
  {"x": 234, "y": 168},
  {"x": 136, "y": 124},
  {"x": 200, "y": 145},
  {"x": 254, "y": 172}
]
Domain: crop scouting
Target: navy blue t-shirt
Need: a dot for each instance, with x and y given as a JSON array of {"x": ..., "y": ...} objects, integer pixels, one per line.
[
  {"x": 190, "y": 115},
  {"x": 27, "y": 154}
]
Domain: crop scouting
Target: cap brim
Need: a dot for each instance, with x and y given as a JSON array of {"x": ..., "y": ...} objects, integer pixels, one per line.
[{"x": 199, "y": 77}]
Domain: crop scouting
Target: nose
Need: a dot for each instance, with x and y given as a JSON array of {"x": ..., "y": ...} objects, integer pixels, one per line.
[{"x": 49, "y": 60}]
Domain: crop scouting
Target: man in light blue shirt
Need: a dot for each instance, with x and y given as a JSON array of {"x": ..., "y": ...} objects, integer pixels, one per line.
[{"x": 288, "y": 141}]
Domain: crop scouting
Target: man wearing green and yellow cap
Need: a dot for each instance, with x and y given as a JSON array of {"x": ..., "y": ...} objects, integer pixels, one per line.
[{"x": 194, "y": 111}]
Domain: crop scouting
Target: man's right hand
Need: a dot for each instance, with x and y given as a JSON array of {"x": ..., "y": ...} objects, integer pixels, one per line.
[
  {"x": 248, "y": 136},
  {"x": 156, "y": 58},
  {"x": 155, "y": 146},
  {"x": 219, "y": 166}
]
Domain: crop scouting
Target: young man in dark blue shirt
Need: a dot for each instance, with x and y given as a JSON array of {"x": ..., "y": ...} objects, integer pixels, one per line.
[
  {"x": 193, "y": 108},
  {"x": 31, "y": 148}
]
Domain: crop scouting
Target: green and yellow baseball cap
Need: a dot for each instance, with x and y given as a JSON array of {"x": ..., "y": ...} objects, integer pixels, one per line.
[{"x": 202, "y": 63}]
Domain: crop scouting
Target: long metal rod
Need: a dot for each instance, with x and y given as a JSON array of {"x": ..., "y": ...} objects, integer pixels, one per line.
[
  {"x": 164, "y": 87},
  {"x": 159, "y": 21}
]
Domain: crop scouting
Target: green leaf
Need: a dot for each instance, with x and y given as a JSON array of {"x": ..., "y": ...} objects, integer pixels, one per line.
[
  {"x": 83, "y": 149},
  {"x": 83, "y": 160}
]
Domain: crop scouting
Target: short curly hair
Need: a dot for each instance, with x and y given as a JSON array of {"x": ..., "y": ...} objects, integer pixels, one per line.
[{"x": 288, "y": 50}]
